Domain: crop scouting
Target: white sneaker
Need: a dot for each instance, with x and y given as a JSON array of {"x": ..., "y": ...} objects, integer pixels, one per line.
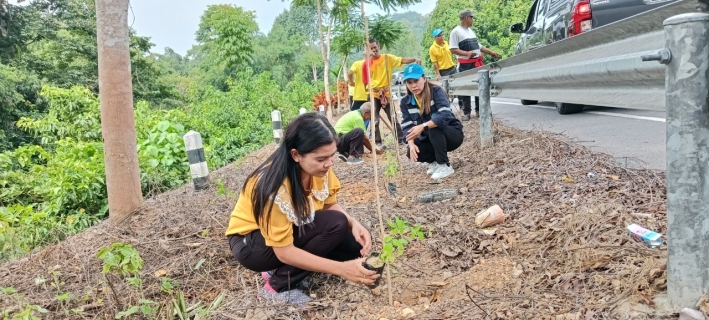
[
  {"x": 442, "y": 171},
  {"x": 432, "y": 167}
]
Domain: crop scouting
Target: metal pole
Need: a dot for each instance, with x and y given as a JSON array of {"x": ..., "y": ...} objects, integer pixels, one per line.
[
  {"x": 277, "y": 131},
  {"x": 117, "y": 119},
  {"x": 485, "y": 111},
  {"x": 197, "y": 160},
  {"x": 686, "y": 77},
  {"x": 302, "y": 111}
]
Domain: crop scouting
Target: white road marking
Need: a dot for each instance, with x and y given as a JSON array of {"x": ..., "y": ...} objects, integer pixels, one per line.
[{"x": 603, "y": 113}]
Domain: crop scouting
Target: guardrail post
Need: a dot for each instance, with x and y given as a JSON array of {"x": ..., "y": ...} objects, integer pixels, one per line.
[
  {"x": 198, "y": 163},
  {"x": 485, "y": 110},
  {"x": 686, "y": 78},
  {"x": 277, "y": 131},
  {"x": 302, "y": 111}
]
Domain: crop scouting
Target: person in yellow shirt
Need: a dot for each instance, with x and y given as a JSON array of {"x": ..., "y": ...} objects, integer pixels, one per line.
[
  {"x": 287, "y": 222},
  {"x": 354, "y": 75},
  {"x": 441, "y": 56},
  {"x": 380, "y": 66}
]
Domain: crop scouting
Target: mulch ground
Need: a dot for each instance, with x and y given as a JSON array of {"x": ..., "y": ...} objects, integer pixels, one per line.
[{"x": 562, "y": 253}]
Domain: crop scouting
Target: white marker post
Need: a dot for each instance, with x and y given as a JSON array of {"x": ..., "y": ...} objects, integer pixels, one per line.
[
  {"x": 322, "y": 110},
  {"x": 277, "y": 131},
  {"x": 198, "y": 163},
  {"x": 303, "y": 111}
]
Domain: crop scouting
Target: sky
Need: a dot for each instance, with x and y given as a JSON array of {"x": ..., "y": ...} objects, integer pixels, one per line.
[{"x": 173, "y": 23}]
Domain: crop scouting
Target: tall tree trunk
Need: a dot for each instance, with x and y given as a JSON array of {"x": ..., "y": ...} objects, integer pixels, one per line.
[
  {"x": 117, "y": 120},
  {"x": 346, "y": 78},
  {"x": 315, "y": 73},
  {"x": 325, "y": 58},
  {"x": 327, "y": 54},
  {"x": 339, "y": 97}
]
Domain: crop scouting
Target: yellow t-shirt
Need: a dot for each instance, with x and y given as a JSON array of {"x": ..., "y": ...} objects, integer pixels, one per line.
[
  {"x": 382, "y": 72},
  {"x": 442, "y": 55},
  {"x": 360, "y": 91},
  {"x": 280, "y": 228}
]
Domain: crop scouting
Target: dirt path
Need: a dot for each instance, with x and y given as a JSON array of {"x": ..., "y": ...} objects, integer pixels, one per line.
[{"x": 562, "y": 254}]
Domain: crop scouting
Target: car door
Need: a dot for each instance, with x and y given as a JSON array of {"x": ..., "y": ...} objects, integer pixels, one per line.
[
  {"x": 536, "y": 31},
  {"x": 523, "y": 44},
  {"x": 556, "y": 20}
]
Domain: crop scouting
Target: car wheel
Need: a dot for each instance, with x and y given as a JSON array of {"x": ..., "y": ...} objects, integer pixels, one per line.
[
  {"x": 567, "y": 108},
  {"x": 528, "y": 102}
]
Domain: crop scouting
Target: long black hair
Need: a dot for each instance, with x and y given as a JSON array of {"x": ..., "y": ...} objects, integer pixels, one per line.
[{"x": 305, "y": 134}]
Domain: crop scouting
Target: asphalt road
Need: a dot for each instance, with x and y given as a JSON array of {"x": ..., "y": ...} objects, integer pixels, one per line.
[{"x": 635, "y": 138}]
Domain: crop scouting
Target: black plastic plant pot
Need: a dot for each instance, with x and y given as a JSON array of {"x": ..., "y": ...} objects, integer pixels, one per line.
[
  {"x": 392, "y": 189},
  {"x": 374, "y": 263}
]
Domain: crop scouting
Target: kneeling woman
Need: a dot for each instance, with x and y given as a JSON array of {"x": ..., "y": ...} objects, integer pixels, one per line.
[
  {"x": 430, "y": 127},
  {"x": 287, "y": 222}
]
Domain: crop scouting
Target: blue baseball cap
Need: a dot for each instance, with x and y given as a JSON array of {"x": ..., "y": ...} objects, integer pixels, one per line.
[
  {"x": 413, "y": 71},
  {"x": 437, "y": 32}
]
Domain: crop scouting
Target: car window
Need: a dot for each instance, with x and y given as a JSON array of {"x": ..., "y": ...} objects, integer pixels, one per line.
[
  {"x": 543, "y": 5},
  {"x": 530, "y": 17}
]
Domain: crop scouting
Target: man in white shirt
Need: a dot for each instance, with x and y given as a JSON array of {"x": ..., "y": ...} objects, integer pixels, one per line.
[{"x": 464, "y": 44}]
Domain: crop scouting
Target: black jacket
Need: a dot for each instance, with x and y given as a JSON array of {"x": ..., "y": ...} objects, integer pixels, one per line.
[{"x": 441, "y": 113}]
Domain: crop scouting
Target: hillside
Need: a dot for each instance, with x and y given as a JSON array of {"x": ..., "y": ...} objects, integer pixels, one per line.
[{"x": 563, "y": 253}]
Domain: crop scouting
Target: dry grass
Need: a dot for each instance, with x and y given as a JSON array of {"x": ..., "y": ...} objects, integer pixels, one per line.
[{"x": 562, "y": 254}]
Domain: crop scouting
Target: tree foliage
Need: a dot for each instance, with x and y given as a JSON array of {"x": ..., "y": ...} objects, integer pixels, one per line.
[{"x": 227, "y": 31}]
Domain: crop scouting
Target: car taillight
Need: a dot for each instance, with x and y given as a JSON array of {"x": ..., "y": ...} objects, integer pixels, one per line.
[{"x": 580, "y": 18}]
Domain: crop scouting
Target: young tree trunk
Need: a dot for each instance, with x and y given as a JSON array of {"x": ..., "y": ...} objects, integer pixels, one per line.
[
  {"x": 315, "y": 73},
  {"x": 382, "y": 233},
  {"x": 339, "y": 98},
  {"x": 346, "y": 79},
  {"x": 325, "y": 57},
  {"x": 117, "y": 120}
]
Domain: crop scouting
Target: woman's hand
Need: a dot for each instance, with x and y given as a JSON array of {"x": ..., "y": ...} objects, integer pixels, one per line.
[
  {"x": 363, "y": 237},
  {"x": 354, "y": 271},
  {"x": 413, "y": 151},
  {"x": 414, "y": 133}
]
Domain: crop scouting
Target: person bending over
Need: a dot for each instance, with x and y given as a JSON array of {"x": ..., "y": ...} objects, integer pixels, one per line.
[{"x": 351, "y": 130}]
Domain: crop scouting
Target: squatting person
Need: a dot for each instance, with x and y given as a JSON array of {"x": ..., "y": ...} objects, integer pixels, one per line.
[
  {"x": 430, "y": 127},
  {"x": 287, "y": 222}
]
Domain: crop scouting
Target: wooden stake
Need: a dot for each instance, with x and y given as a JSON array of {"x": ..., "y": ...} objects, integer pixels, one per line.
[{"x": 374, "y": 154}]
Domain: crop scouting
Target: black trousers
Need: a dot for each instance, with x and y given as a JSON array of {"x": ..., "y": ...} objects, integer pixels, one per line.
[
  {"x": 377, "y": 135},
  {"x": 448, "y": 72},
  {"x": 439, "y": 143},
  {"x": 352, "y": 143},
  {"x": 327, "y": 236},
  {"x": 357, "y": 104},
  {"x": 465, "y": 100}
]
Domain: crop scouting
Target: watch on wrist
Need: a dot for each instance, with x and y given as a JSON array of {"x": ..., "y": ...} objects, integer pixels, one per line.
[{"x": 425, "y": 125}]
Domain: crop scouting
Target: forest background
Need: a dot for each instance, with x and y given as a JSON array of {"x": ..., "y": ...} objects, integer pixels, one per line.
[{"x": 52, "y": 181}]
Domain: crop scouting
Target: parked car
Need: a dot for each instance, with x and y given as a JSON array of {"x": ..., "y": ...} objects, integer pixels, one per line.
[
  {"x": 550, "y": 21},
  {"x": 397, "y": 77}
]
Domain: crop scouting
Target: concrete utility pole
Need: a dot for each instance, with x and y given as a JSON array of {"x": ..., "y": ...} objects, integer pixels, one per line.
[
  {"x": 686, "y": 80},
  {"x": 117, "y": 120}
]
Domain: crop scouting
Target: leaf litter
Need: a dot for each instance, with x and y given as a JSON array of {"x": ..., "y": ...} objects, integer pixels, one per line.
[{"x": 562, "y": 252}]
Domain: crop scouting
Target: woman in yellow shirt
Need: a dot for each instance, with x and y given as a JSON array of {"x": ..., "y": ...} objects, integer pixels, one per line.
[{"x": 287, "y": 222}]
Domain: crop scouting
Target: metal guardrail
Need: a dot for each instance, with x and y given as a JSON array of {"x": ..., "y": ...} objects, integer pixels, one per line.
[{"x": 602, "y": 67}]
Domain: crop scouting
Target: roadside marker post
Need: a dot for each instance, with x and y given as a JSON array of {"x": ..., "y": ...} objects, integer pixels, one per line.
[
  {"x": 277, "y": 130},
  {"x": 197, "y": 160},
  {"x": 485, "y": 110}
]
